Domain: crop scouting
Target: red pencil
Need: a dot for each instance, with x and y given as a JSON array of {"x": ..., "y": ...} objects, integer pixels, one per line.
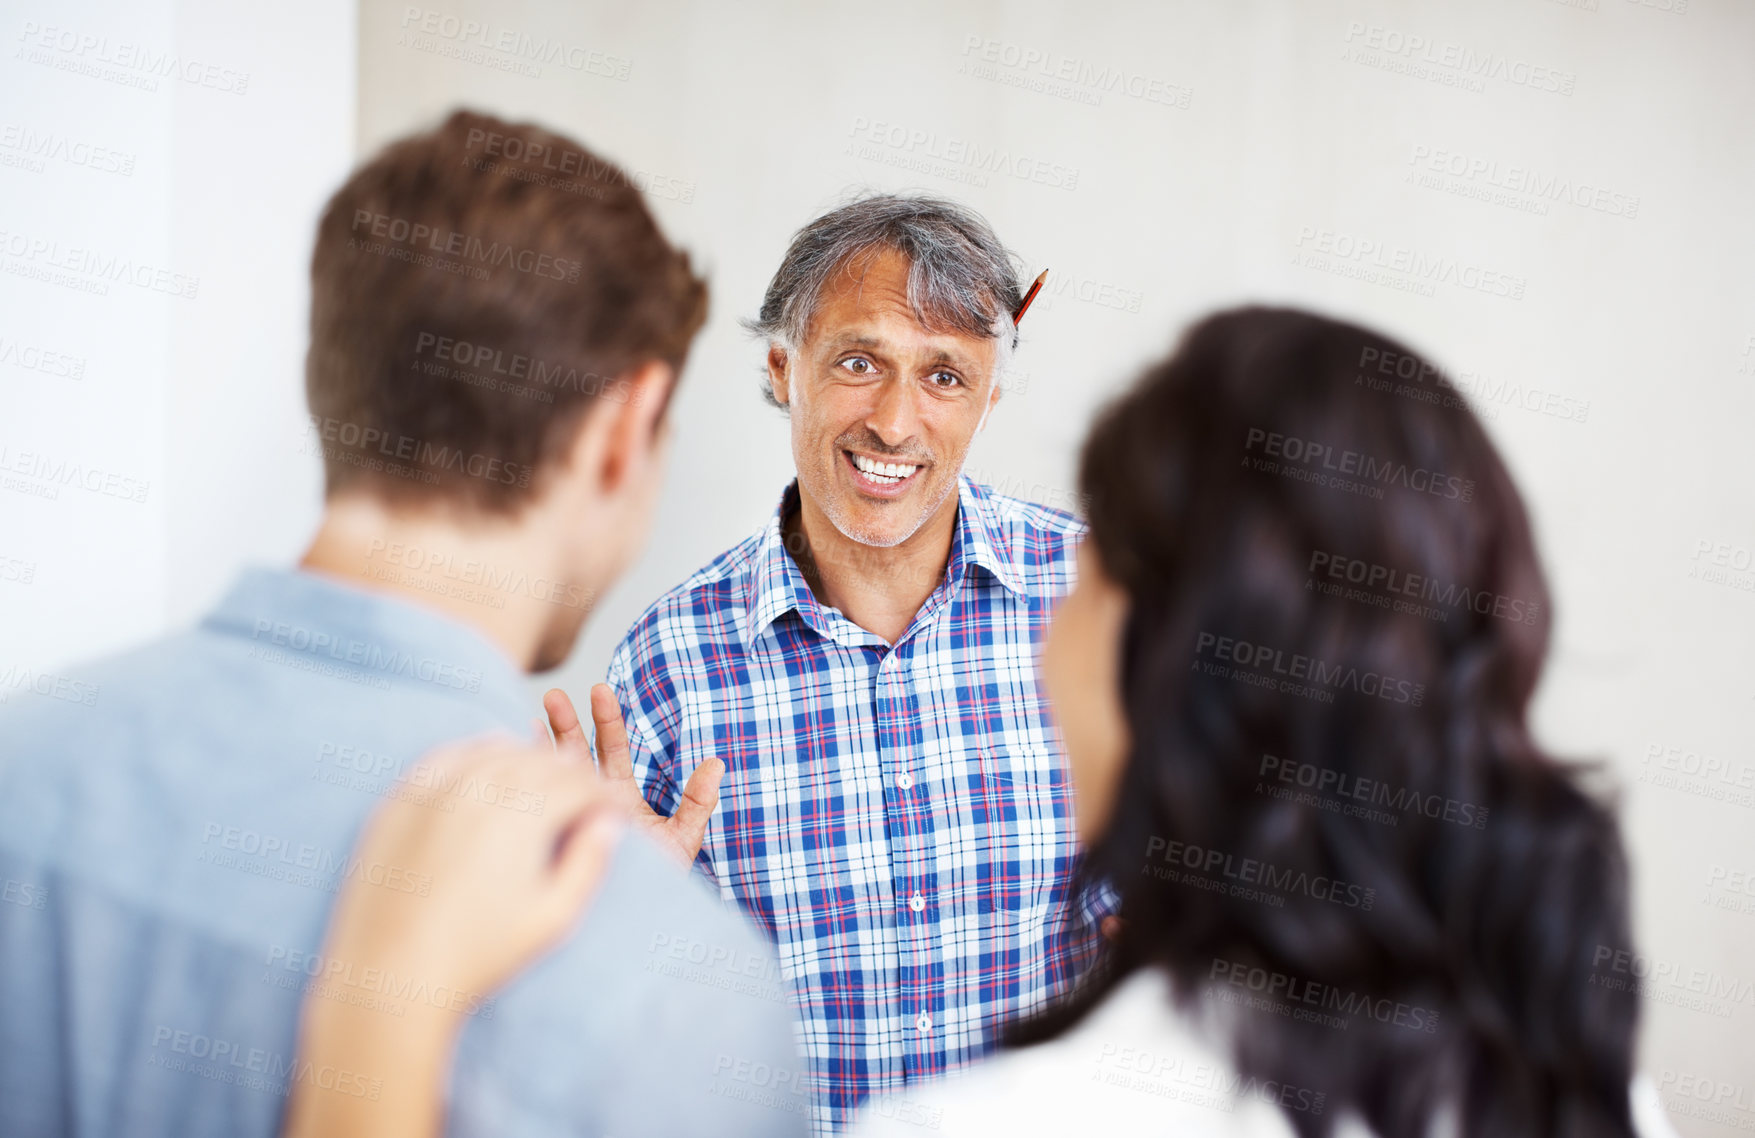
[{"x": 1028, "y": 297}]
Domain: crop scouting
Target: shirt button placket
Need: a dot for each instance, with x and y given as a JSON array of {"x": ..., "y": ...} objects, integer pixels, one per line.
[{"x": 917, "y": 931}]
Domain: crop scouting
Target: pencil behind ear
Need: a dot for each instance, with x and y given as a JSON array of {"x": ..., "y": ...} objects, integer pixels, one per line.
[{"x": 1029, "y": 297}]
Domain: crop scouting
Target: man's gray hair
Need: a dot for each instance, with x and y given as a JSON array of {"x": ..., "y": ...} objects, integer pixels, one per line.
[{"x": 960, "y": 278}]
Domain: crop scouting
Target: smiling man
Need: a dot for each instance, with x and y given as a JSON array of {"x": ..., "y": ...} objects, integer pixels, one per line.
[{"x": 895, "y": 809}]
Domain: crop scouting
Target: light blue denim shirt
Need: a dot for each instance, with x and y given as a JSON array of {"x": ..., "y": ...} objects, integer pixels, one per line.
[{"x": 175, "y": 824}]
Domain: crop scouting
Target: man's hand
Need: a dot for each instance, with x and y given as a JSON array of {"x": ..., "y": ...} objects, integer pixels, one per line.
[{"x": 681, "y": 833}]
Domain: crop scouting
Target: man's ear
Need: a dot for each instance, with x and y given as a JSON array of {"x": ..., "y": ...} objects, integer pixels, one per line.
[
  {"x": 992, "y": 397},
  {"x": 777, "y": 378},
  {"x": 623, "y": 425}
]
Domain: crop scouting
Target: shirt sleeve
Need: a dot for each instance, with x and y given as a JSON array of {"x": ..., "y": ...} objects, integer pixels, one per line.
[
  {"x": 1085, "y": 940},
  {"x": 1098, "y": 902}
]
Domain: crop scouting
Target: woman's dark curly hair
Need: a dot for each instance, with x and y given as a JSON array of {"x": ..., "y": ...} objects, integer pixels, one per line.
[{"x": 1333, "y": 802}]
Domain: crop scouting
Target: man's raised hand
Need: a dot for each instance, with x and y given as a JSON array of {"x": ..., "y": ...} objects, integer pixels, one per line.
[{"x": 682, "y": 832}]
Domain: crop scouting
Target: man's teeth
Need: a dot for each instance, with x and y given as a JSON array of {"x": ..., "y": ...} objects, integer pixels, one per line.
[{"x": 888, "y": 473}]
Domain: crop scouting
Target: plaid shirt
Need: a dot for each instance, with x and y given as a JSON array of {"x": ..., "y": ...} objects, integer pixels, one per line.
[{"x": 898, "y": 819}]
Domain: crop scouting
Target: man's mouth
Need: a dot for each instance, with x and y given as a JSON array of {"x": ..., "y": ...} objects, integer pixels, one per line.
[{"x": 879, "y": 474}]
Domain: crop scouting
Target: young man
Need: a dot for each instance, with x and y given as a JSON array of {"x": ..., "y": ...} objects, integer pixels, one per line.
[
  {"x": 895, "y": 810},
  {"x": 491, "y": 352}
]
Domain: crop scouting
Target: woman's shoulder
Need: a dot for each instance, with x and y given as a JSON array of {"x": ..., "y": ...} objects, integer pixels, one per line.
[
  {"x": 1133, "y": 1063},
  {"x": 1139, "y": 1063}
]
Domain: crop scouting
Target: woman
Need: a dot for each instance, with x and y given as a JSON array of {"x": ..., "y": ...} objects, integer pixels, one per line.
[{"x": 1293, "y": 681}]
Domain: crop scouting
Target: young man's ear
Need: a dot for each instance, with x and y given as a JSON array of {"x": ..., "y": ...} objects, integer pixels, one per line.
[
  {"x": 621, "y": 428},
  {"x": 777, "y": 361}
]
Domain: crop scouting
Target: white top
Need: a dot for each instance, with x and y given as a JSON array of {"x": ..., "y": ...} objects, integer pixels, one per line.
[{"x": 1133, "y": 1067}]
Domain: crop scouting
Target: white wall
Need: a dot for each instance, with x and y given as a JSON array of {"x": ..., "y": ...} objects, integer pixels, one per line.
[{"x": 185, "y": 144}]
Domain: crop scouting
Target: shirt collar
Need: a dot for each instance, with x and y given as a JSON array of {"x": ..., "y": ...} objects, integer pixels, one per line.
[
  {"x": 777, "y": 585},
  {"x": 335, "y": 624},
  {"x": 981, "y": 539}
]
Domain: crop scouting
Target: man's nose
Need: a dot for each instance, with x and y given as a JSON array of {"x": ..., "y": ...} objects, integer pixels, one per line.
[{"x": 895, "y": 416}]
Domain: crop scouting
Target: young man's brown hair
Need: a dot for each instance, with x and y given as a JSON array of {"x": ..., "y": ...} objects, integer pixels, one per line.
[{"x": 473, "y": 290}]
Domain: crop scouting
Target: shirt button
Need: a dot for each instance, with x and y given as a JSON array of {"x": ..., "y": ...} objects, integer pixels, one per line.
[
  {"x": 917, "y": 902},
  {"x": 905, "y": 780},
  {"x": 924, "y": 1023}
]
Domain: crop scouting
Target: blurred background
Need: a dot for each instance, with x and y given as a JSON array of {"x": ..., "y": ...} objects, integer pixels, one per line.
[{"x": 1550, "y": 197}]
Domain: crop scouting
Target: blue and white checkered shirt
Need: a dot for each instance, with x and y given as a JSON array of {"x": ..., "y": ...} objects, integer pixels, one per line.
[{"x": 898, "y": 819}]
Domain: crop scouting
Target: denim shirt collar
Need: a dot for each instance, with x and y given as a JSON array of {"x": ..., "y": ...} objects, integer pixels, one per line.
[{"x": 320, "y": 623}]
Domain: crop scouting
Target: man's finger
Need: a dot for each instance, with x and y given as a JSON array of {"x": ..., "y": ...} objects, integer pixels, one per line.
[
  {"x": 570, "y": 740},
  {"x": 612, "y": 738},
  {"x": 688, "y": 826}
]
